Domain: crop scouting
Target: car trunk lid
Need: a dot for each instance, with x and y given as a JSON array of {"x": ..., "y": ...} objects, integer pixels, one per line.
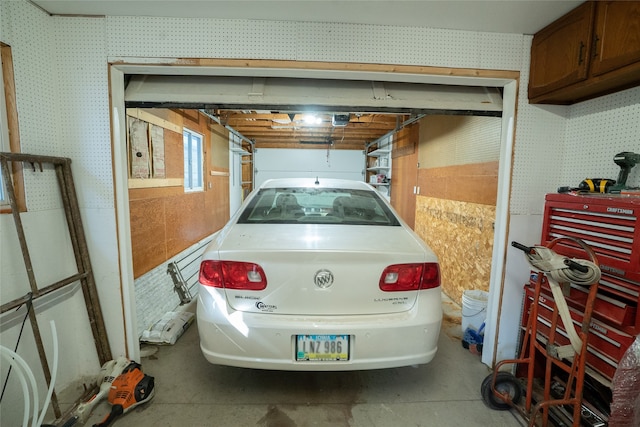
[{"x": 316, "y": 269}]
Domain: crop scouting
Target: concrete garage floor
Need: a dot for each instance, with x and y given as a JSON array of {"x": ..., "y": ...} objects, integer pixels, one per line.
[{"x": 192, "y": 392}]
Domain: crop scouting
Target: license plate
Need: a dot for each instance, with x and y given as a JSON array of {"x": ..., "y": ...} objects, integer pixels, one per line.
[{"x": 322, "y": 348}]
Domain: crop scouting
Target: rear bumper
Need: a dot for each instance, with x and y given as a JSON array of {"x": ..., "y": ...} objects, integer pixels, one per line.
[{"x": 267, "y": 341}]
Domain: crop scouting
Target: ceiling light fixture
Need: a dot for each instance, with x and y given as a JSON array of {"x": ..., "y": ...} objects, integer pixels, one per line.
[{"x": 312, "y": 119}]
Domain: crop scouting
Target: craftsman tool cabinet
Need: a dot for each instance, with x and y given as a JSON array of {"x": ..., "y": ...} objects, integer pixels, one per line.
[{"x": 610, "y": 225}]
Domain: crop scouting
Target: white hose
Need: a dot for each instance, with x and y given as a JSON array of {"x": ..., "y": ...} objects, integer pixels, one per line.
[
  {"x": 14, "y": 358},
  {"x": 45, "y": 404},
  {"x": 23, "y": 383},
  {"x": 552, "y": 264}
]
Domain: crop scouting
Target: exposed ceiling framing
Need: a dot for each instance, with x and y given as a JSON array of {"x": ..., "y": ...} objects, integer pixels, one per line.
[{"x": 288, "y": 130}]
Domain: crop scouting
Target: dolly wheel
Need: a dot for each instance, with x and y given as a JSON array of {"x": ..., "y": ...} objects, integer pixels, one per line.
[{"x": 506, "y": 384}]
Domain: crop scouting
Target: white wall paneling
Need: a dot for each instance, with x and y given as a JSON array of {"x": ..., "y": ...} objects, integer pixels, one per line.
[
  {"x": 597, "y": 130},
  {"x": 476, "y": 140},
  {"x": 309, "y": 41},
  {"x": 496, "y": 344},
  {"x": 539, "y": 147},
  {"x": 82, "y": 88}
]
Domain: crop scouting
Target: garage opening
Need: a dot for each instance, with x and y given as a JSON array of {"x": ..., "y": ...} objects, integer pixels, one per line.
[{"x": 425, "y": 143}]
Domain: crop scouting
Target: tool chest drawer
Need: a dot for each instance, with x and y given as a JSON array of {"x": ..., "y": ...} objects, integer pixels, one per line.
[
  {"x": 617, "y": 310},
  {"x": 606, "y": 344},
  {"x": 608, "y": 223}
]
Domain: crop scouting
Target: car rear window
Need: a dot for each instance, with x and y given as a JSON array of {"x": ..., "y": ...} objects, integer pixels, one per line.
[{"x": 317, "y": 206}]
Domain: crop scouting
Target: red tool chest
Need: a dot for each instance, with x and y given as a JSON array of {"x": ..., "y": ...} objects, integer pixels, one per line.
[{"x": 610, "y": 225}]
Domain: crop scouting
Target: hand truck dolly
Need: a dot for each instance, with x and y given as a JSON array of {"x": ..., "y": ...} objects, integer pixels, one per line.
[{"x": 501, "y": 390}]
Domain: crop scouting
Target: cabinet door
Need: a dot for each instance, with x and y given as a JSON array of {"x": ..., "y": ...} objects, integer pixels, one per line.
[
  {"x": 560, "y": 51},
  {"x": 616, "y": 41}
]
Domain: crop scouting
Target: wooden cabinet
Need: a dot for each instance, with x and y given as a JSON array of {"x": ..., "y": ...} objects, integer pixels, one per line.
[
  {"x": 616, "y": 42},
  {"x": 591, "y": 51},
  {"x": 559, "y": 51}
]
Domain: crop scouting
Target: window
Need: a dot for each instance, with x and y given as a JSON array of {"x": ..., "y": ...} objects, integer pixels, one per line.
[
  {"x": 193, "y": 167},
  {"x": 317, "y": 206}
]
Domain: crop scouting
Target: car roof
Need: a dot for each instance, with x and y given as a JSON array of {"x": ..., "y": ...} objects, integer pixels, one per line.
[{"x": 316, "y": 182}]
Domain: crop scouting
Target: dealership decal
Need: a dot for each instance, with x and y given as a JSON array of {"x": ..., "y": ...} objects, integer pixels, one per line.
[{"x": 266, "y": 307}]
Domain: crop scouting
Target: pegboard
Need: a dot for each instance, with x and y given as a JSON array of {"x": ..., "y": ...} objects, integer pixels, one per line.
[
  {"x": 200, "y": 38},
  {"x": 596, "y": 131},
  {"x": 84, "y": 121},
  {"x": 538, "y": 149},
  {"x": 28, "y": 32},
  {"x": 458, "y": 140},
  {"x": 335, "y": 42},
  {"x": 310, "y": 41}
]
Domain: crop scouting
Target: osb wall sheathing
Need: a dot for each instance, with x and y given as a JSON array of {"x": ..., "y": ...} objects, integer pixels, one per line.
[
  {"x": 461, "y": 234},
  {"x": 455, "y": 209}
]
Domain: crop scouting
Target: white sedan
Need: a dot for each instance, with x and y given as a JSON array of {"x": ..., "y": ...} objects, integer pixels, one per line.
[{"x": 318, "y": 275}]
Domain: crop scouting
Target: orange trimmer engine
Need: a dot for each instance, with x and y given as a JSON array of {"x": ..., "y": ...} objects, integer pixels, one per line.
[{"x": 128, "y": 390}]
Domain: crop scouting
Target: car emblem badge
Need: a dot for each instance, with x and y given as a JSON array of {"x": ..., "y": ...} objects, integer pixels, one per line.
[{"x": 323, "y": 279}]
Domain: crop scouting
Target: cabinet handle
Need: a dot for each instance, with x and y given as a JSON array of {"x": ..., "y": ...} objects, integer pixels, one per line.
[
  {"x": 581, "y": 54},
  {"x": 594, "y": 48}
]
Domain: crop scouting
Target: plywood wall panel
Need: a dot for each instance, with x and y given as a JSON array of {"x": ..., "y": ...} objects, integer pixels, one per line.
[
  {"x": 216, "y": 203},
  {"x": 154, "y": 193},
  {"x": 461, "y": 234},
  {"x": 404, "y": 173},
  {"x": 474, "y": 183},
  {"x": 173, "y": 154},
  {"x": 185, "y": 221},
  {"x": 147, "y": 234},
  {"x": 219, "y": 153}
]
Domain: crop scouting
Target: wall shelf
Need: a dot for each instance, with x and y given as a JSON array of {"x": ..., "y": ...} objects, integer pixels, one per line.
[
  {"x": 378, "y": 163},
  {"x": 240, "y": 151},
  {"x": 382, "y": 152}
]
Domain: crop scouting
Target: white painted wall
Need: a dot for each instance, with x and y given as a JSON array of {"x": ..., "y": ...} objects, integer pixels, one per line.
[
  {"x": 310, "y": 163},
  {"x": 63, "y": 106}
]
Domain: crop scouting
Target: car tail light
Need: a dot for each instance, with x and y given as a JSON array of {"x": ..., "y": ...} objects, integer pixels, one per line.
[
  {"x": 410, "y": 277},
  {"x": 232, "y": 275}
]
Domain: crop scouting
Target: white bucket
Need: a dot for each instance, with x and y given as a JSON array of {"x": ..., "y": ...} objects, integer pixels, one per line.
[{"x": 474, "y": 309}]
